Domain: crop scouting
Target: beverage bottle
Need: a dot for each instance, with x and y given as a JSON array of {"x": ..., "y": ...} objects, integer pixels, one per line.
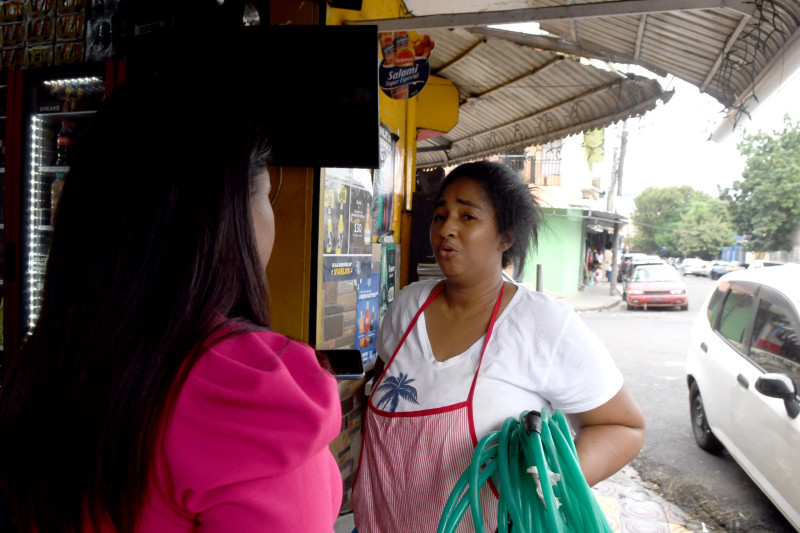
[
  {"x": 329, "y": 234},
  {"x": 340, "y": 235},
  {"x": 64, "y": 143},
  {"x": 367, "y": 228},
  {"x": 55, "y": 194}
]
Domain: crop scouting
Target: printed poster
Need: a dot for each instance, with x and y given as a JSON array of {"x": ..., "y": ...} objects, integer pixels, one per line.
[
  {"x": 346, "y": 246},
  {"x": 388, "y": 267},
  {"x": 383, "y": 184},
  {"x": 367, "y": 317}
]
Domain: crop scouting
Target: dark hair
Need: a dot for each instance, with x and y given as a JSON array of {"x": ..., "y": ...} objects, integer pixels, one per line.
[
  {"x": 516, "y": 211},
  {"x": 153, "y": 248}
]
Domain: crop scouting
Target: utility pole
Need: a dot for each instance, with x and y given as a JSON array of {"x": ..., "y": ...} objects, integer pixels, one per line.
[
  {"x": 616, "y": 180},
  {"x": 622, "y": 144},
  {"x": 612, "y": 187}
]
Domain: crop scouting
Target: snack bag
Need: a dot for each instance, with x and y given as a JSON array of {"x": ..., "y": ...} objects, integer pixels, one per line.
[
  {"x": 13, "y": 34},
  {"x": 69, "y": 53},
  {"x": 38, "y": 56},
  {"x": 12, "y": 11},
  {"x": 39, "y": 30}
]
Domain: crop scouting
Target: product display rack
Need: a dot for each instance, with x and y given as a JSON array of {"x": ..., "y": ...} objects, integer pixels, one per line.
[{"x": 40, "y": 201}]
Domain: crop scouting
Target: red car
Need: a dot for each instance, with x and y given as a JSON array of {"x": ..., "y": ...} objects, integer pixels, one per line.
[{"x": 656, "y": 286}]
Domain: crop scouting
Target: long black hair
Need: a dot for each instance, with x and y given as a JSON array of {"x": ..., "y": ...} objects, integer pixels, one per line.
[
  {"x": 516, "y": 211},
  {"x": 153, "y": 248}
]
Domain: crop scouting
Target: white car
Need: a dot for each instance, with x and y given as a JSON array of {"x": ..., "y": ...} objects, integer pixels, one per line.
[
  {"x": 695, "y": 267},
  {"x": 760, "y": 263},
  {"x": 743, "y": 374}
]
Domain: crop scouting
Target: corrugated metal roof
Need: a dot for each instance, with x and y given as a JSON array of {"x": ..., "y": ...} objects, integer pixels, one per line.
[
  {"x": 519, "y": 89},
  {"x": 514, "y": 96}
]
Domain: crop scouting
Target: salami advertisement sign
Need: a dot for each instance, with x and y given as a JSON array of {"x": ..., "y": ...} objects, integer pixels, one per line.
[{"x": 405, "y": 68}]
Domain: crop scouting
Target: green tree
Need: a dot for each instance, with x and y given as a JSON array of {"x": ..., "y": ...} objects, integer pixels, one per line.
[
  {"x": 657, "y": 216},
  {"x": 765, "y": 204},
  {"x": 705, "y": 228}
]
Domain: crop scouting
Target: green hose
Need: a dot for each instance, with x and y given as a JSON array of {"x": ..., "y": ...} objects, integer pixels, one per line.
[{"x": 562, "y": 502}]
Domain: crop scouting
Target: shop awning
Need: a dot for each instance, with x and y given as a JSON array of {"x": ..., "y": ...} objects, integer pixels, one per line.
[
  {"x": 513, "y": 96},
  {"x": 519, "y": 89}
]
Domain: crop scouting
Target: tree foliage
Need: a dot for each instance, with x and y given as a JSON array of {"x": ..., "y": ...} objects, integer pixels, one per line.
[
  {"x": 765, "y": 204},
  {"x": 657, "y": 216},
  {"x": 705, "y": 228},
  {"x": 680, "y": 221}
]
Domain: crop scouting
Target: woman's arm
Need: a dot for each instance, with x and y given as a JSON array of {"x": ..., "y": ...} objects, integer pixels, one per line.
[{"x": 609, "y": 436}]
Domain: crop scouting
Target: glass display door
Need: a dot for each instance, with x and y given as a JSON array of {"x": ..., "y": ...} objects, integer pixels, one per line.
[{"x": 61, "y": 110}]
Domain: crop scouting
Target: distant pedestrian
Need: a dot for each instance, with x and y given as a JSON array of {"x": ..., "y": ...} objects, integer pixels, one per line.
[{"x": 608, "y": 260}]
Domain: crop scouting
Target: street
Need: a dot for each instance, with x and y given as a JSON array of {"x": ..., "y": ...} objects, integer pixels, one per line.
[{"x": 650, "y": 349}]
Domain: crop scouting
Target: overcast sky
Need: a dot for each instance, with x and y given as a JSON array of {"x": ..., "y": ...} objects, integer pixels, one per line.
[{"x": 670, "y": 145}]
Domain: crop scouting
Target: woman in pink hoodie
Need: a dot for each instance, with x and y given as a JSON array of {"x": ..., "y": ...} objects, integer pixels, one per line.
[{"x": 152, "y": 395}]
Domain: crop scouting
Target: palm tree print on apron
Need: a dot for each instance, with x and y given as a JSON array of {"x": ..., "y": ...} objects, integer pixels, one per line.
[{"x": 396, "y": 387}]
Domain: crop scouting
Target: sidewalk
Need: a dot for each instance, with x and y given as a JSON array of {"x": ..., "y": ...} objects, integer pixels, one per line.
[
  {"x": 629, "y": 505},
  {"x": 594, "y": 297}
]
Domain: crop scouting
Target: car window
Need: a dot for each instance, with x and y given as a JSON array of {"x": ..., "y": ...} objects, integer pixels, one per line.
[
  {"x": 715, "y": 304},
  {"x": 735, "y": 316},
  {"x": 775, "y": 346},
  {"x": 657, "y": 273}
]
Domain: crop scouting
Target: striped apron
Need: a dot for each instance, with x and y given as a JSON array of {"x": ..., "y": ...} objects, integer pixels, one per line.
[{"x": 410, "y": 461}]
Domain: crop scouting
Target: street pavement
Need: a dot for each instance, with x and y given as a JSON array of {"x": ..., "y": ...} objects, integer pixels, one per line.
[{"x": 629, "y": 504}]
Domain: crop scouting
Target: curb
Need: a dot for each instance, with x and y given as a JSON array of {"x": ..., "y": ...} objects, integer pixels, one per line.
[{"x": 600, "y": 307}]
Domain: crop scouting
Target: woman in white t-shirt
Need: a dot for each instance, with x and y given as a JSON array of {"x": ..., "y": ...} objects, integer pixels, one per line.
[{"x": 457, "y": 357}]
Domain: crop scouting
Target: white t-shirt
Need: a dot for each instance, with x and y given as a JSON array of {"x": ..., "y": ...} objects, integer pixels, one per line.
[{"x": 540, "y": 355}]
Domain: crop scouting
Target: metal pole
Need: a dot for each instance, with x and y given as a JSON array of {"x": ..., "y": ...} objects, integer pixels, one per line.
[
  {"x": 622, "y": 144},
  {"x": 612, "y": 290},
  {"x": 538, "y": 277}
]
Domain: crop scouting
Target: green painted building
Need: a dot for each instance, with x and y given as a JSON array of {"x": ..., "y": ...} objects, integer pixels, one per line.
[{"x": 564, "y": 240}]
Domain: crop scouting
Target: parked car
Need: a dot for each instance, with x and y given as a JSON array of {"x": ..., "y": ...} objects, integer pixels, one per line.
[
  {"x": 638, "y": 262},
  {"x": 743, "y": 374},
  {"x": 694, "y": 266},
  {"x": 760, "y": 263},
  {"x": 656, "y": 286},
  {"x": 720, "y": 268},
  {"x": 625, "y": 263}
]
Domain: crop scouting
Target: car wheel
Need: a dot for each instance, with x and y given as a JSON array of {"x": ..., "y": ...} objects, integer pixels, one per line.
[
  {"x": 702, "y": 433},
  {"x": 685, "y": 307},
  {"x": 714, "y": 276},
  {"x": 629, "y": 306}
]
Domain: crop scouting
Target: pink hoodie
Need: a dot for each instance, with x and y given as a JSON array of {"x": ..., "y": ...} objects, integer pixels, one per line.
[{"x": 246, "y": 448}]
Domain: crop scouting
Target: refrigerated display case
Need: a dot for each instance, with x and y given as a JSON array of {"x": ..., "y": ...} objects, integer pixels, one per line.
[
  {"x": 60, "y": 108},
  {"x": 43, "y": 110}
]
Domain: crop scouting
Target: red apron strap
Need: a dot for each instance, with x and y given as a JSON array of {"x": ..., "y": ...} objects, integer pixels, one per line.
[
  {"x": 434, "y": 293},
  {"x": 486, "y": 342}
]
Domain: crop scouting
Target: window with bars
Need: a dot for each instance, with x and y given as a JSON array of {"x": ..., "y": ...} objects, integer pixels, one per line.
[{"x": 546, "y": 169}]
